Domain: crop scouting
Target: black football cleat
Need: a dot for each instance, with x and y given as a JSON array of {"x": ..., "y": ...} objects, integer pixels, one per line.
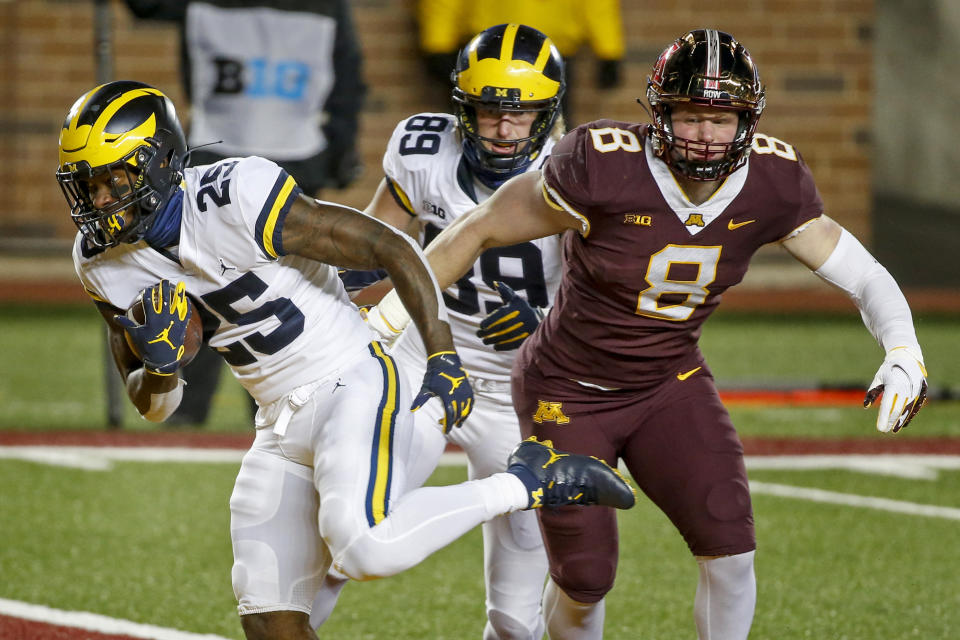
[{"x": 556, "y": 478}]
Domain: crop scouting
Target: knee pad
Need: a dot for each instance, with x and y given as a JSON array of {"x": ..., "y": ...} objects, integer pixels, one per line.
[
  {"x": 586, "y": 577},
  {"x": 362, "y": 558},
  {"x": 503, "y": 626},
  {"x": 515, "y": 569},
  {"x": 524, "y": 530},
  {"x": 279, "y": 557},
  {"x": 725, "y": 525}
]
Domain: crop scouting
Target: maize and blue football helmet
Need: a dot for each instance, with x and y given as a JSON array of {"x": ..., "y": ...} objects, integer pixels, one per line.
[
  {"x": 127, "y": 126},
  {"x": 508, "y": 67}
]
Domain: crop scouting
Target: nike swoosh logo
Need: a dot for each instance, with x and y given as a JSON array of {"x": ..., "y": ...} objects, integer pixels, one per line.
[
  {"x": 736, "y": 225},
  {"x": 687, "y": 374}
]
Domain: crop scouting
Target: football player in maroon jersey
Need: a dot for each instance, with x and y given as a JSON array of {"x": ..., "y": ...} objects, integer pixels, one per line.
[{"x": 658, "y": 221}]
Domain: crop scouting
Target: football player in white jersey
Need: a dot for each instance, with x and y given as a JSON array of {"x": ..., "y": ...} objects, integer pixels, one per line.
[
  {"x": 325, "y": 482},
  {"x": 508, "y": 82}
]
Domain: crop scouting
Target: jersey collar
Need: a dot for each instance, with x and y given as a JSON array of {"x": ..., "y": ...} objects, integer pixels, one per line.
[{"x": 165, "y": 230}]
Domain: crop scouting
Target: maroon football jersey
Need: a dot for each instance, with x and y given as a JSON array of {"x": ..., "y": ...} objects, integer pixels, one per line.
[{"x": 639, "y": 282}]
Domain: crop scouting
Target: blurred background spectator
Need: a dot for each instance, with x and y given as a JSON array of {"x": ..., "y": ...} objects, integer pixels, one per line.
[
  {"x": 280, "y": 79},
  {"x": 446, "y": 25}
]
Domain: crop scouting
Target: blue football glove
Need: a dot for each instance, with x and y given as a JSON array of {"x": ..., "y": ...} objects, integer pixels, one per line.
[
  {"x": 446, "y": 380},
  {"x": 159, "y": 340},
  {"x": 507, "y": 326}
]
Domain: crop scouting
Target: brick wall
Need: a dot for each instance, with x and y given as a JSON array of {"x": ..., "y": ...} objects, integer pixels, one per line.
[{"x": 815, "y": 57}]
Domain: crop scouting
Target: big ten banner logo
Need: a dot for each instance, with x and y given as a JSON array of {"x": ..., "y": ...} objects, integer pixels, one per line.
[{"x": 262, "y": 77}]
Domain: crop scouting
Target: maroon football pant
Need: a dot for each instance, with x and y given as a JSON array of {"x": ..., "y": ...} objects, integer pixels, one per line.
[{"x": 680, "y": 446}]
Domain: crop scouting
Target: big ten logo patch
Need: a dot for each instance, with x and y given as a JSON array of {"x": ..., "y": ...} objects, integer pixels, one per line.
[
  {"x": 638, "y": 219},
  {"x": 432, "y": 209},
  {"x": 550, "y": 412},
  {"x": 262, "y": 78}
]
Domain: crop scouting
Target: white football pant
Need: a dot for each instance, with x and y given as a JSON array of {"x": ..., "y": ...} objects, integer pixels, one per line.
[{"x": 318, "y": 494}]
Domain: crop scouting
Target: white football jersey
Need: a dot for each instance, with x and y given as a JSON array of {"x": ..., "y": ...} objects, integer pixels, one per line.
[
  {"x": 280, "y": 321},
  {"x": 430, "y": 179}
]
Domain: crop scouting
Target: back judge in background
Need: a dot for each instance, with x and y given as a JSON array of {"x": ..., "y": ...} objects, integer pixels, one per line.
[{"x": 278, "y": 79}]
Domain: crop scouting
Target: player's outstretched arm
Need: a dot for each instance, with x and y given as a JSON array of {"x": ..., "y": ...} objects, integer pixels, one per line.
[
  {"x": 383, "y": 207},
  {"x": 835, "y": 255},
  {"x": 515, "y": 213},
  {"x": 345, "y": 237}
]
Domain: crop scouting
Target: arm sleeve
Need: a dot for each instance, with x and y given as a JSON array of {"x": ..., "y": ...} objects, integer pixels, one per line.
[{"x": 884, "y": 309}]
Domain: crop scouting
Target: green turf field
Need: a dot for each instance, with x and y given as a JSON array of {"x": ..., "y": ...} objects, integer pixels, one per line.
[
  {"x": 149, "y": 542},
  {"x": 52, "y": 371}
]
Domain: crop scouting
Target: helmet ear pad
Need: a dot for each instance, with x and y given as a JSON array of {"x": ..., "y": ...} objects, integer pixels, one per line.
[{"x": 162, "y": 169}]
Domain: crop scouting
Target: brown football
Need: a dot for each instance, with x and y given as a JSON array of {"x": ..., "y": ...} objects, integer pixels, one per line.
[{"x": 193, "y": 339}]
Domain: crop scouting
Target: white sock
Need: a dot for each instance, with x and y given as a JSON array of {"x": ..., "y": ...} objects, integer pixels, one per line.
[
  {"x": 568, "y": 619},
  {"x": 511, "y": 495},
  {"x": 726, "y": 597}
]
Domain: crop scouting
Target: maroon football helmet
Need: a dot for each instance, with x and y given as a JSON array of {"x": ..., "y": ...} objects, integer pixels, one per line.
[{"x": 705, "y": 67}]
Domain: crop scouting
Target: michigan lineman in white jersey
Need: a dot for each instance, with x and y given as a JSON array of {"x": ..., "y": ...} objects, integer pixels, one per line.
[
  {"x": 324, "y": 482},
  {"x": 507, "y": 86}
]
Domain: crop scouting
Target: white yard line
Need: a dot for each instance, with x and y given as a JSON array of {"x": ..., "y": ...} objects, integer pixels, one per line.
[
  {"x": 102, "y": 458},
  {"x": 853, "y": 500},
  {"x": 97, "y": 623},
  {"x": 913, "y": 466}
]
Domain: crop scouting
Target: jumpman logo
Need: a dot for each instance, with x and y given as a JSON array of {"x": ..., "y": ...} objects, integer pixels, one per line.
[
  {"x": 337, "y": 386},
  {"x": 454, "y": 381},
  {"x": 224, "y": 267},
  {"x": 164, "y": 336},
  {"x": 554, "y": 456}
]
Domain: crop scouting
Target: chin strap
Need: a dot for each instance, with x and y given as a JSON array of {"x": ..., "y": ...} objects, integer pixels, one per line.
[{"x": 487, "y": 177}]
